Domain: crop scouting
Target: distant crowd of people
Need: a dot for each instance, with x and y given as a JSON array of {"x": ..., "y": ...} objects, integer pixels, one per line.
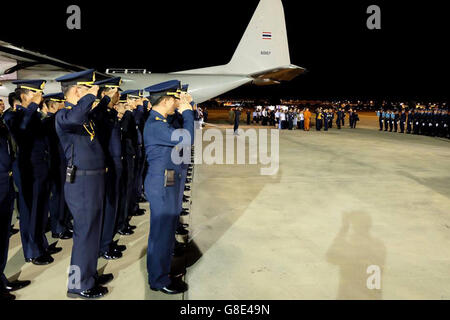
[
  {"x": 431, "y": 120},
  {"x": 297, "y": 118}
]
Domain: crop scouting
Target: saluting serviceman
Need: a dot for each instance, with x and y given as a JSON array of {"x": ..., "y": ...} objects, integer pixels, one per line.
[
  {"x": 6, "y": 210},
  {"x": 380, "y": 118},
  {"x": 139, "y": 118},
  {"x": 107, "y": 124},
  {"x": 84, "y": 188},
  {"x": 127, "y": 200},
  {"x": 163, "y": 180},
  {"x": 33, "y": 163},
  {"x": 410, "y": 121},
  {"x": 59, "y": 212}
]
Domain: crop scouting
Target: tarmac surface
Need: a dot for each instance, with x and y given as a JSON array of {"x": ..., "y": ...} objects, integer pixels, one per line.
[{"x": 345, "y": 206}]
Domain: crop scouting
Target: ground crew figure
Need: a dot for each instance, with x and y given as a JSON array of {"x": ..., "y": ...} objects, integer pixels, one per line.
[
  {"x": 410, "y": 121},
  {"x": 325, "y": 119},
  {"x": 387, "y": 119},
  {"x": 423, "y": 125},
  {"x": 444, "y": 124},
  {"x": 355, "y": 119},
  {"x": 435, "y": 122},
  {"x": 447, "y": 124},
  {"x": 33, "y": 163},
  {"x": 330, "y": 118},
  {"x": 391, "y": 121},
  {"x": 319, "y": 119},
  {"x": 237, "y": 117},
  {"x": 59, "y": 212},
  {"x": 396, "y": 120},
  {"x": 380, "y": 114},
  {"x": 338, "y": 118},
  {"x": 85, "y": 184},
  {"x": 163, "y": 179},
  {"x": 416, "y": 121},
  {"x": 402, "y": 121},
  {"x": 350, "y": 117}
]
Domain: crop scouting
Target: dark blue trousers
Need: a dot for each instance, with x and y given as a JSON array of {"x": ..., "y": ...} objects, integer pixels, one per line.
[
  {"x": 6, "y": 211},
  {"x": 59, "y": 212},
  {"x": 164, "y": 216},
  {"x": 21, "y": 207},
  {"x": 111, "y": 208},
  {"x": 127, "y": 196},
  {"x": 138, "y": 178},
  {"x": 140, "y": 172},
  {"x": 33, "y": 220},
  {"x": 85, "y": 200}
]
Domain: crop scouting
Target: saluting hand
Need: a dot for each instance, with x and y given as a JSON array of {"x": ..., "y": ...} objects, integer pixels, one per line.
[
  {"x": 44, "y": 108},
  {"x": 185, "y": 97},
  {"x": 93, "y": 90}
]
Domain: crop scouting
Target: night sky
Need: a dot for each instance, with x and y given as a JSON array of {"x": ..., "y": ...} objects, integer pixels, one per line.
[{"x": 406, "y": 59}]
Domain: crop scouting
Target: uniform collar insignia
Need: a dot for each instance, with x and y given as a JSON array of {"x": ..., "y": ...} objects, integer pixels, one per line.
[{"x": 68, "y": 105}]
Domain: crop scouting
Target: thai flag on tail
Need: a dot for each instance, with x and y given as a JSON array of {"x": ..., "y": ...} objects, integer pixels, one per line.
[{"x": 267, "y": 35}]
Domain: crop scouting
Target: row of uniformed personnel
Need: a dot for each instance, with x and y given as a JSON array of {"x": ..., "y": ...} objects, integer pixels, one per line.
[
  {"x": 87, "y": 146},
  {"x": 425, "y": 121}
]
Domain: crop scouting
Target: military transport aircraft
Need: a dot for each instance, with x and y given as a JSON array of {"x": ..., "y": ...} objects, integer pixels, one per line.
[{"x": 261, "y": 58}]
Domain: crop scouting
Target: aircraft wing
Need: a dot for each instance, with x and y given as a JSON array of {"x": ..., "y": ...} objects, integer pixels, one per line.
[{"x": 13, "y": 60}]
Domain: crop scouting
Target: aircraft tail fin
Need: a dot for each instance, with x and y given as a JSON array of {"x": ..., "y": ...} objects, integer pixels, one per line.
[
  {"x": 263, "y": 49},
  {"x": 264, "y": 44}
]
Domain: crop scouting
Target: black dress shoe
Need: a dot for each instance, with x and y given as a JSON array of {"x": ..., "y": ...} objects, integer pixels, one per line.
[
  {"x": 63, "y": 235},
  {"x": 182, "y": 231},
  {"x": 118, "y": 247},
  {"x": 6, "y": 296},
  {"x": 175, "y": 275},
  {"x": 187, "y": 188},
  {"x": 175, "y": 287},
  {"x": 184, "y": 225},
  {"x": 139, "y": 212},
  {"x": 142, "y": 199},
  {"x": 42, "y": 260},
  {"x": 131, "y": 227},
  {"x": 111, "y": 255},
  {"x": 17, "y": 285},
  {"x": 185, "y": 199},
  {"x": 184, "y": 212},
  {"x": 104, "y": 279},
  {"x": 53, "y": 250},
  {"x": 178, "y": 252},
  {"x": 178, "y": 249},
  {"x": 125, "y": 232},
  {"x": 93, "y": 293},
  {"x": 13, "y": 231}
]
